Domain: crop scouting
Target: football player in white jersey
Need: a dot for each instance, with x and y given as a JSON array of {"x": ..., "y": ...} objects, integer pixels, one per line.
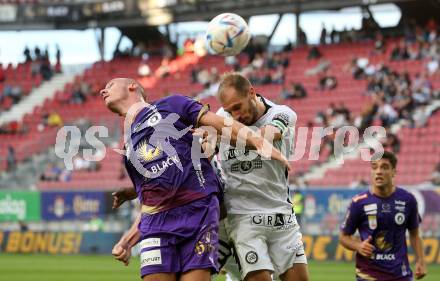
[{"x": 260, "y": 221}]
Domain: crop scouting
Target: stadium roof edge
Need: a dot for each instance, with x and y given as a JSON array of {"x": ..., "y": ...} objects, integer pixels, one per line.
[{"x": 187, "y": 12}]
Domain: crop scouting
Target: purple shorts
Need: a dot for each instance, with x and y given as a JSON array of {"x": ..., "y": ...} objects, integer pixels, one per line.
[{"x": 181, "y": 239}]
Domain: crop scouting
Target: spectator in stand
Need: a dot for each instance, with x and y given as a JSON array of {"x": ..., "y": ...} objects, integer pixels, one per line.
[
  {"x": 27, "y": 54},
  {"x": 387, "y": 114},
  {"x": 2, "y": 75},
  {"x": 327, "y": 81},
  {"x": 45, "y": 68},
  {"x": 400, "y": 52},
  {"x": 314, "y": 53},
  {"x": 302, "y": 37},
  {"x": 143, "y": 69},
  {"x": 37, "y": 53},
  {"x": 392, "y": 143},
  {"x": 323, "y": 37},
  {"x": 11, "y": 161},
  {"x": 78, "y": 96},
  {"x": 296, "y": 91},
  {"x": 58, "y": 59},
  {"x": 334, "y": 38},
  {"x": 54, "y": 120},
  {"x": 164, "y": 69},
  {"x": 435, "y": 176},
  {"x": 51, "y": 173},
  {"x": 16, "y": 94},
  {"x": 278, "y": 76}
]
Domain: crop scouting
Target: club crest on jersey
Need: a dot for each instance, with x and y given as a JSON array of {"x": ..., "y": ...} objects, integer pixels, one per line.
[
  {"x": 372, "y": 221},
  {"x": 149, "y": 153},
  {"x": 246, "y": 167},
  {"x": 399, "y": 218}
]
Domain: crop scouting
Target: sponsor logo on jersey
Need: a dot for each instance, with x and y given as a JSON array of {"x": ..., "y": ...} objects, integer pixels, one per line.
[
  {"x": 277, "y": 221},
  {"x": 399, "y": 202},
  {"x": 159, "y": 167},
  {"x": 372, "y": 221},
  {"x": 386, "y": 208},
  {"x": 400, "y": 205},
  {"x": 385, "y": 257},
  {"x": 151, "y": 258},
  {"x": 370, "y": 208},
  {"x": 399, "y": 218},
  {"x": 150, "y": 242},
  {"x": 234, "y": 153}
]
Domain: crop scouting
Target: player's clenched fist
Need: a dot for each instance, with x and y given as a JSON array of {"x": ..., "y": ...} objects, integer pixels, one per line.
[
  {"x": 365, "y": 248},
  {"x": 122, "y": 253},
  {"x": 420, "y": 271}
]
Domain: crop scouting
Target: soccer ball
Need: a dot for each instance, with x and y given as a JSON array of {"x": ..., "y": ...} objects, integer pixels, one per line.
[{"x": 227, "y": 34}]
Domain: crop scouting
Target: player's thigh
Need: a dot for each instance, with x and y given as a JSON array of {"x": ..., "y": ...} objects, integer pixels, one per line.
[
  {"x": 250, "y": 247},
  {"x": 298, "y": 272},
  {"x": 160, "y": 277},
  {"x": 286, "y": 249},
  {"x": 200, "y": 249}
]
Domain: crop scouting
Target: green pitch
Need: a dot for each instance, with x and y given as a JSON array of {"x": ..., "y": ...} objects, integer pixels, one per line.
[{"x": 97, "y": 268}]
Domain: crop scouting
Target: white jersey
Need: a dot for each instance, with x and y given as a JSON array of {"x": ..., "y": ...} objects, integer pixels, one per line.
[{"x": 255, "y": 185}]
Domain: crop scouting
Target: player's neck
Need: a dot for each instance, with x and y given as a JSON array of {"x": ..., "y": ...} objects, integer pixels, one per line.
[
  {"x": 132, "y": 111},
  {"x": 385, "y": 191}
]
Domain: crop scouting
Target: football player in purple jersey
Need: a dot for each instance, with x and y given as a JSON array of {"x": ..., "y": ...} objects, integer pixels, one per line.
[
  {"x": 178, "y": 227},
  {"x": 382, "y": 215}
]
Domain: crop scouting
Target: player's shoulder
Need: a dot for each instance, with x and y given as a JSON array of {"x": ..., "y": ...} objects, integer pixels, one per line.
[
  {"x": 281, "y": 111},
  {"x": 173, "y": 99},
  {"x": 405, "y": 195},
  {"x": 361, "y": 198}
]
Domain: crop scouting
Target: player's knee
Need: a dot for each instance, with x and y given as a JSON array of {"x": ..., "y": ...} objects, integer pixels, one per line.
[
  {"x": 298, "y": 272},
  {"x": 258, "y": 275}
]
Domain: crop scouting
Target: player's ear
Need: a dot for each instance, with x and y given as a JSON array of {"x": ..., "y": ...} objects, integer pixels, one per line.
[
  {"x": 132, "y": 86},
  {"x": 252, "y": 92}
]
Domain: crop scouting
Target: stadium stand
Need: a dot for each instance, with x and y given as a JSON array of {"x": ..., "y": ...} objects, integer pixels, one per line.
[{"x": 344, "y": 103}]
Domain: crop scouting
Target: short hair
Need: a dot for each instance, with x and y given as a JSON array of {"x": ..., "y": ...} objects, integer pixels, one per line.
[
  {"x": 235, "y": 80},
  {"x": 391, "y": 157}
]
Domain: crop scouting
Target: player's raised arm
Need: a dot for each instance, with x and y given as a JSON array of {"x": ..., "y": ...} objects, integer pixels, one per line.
[{"x": 239, "y": 131}]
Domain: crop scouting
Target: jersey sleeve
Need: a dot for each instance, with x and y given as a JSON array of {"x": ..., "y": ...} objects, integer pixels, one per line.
[
  {"x": 352, "y": 219},
  {"x": 284, "y": 119},
  {"x": 414, "y": 218},
  {"x": 188, "y": 109}
]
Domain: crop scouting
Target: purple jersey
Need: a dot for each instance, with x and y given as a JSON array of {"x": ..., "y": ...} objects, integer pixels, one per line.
[
  {"x": 386, "y": 221},
  {"x": 159, "y": 158}
]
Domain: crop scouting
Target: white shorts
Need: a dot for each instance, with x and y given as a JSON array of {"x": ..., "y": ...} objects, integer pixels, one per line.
[{"x": 266, "y": 242}]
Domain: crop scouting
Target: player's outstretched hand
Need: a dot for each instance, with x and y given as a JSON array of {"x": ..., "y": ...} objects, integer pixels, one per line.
[
  {"x": 366, "y": 248},
  {"x": 421, "y": 270},
  {"x": 122, "y": 195},
  {"x": 122, "y": 253}
]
